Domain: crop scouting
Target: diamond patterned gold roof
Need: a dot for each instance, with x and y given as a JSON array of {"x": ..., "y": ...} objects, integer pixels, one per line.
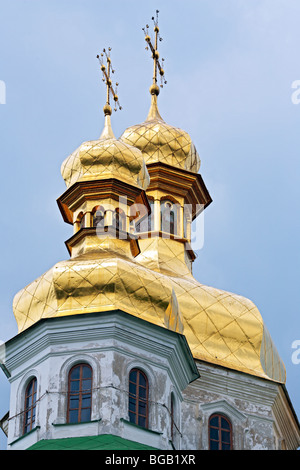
[
  {"x": 160, "y": 142},
  {"x": 106, "y": 158},
  {"x": 157, "y": 286},
  {"x": 220, "y": 327}
]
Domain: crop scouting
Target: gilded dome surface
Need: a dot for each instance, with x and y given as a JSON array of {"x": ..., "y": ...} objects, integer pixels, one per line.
[
  {"x": 220, "y": 327},
  {"x": 106, "y": 158},
  {"x": 155, "y": 285},
  {"x": 160, "y": 142}
]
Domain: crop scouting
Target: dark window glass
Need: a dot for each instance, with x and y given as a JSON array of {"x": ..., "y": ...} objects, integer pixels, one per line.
[
  {"x": 214, "y": 445},
  {"x": 119, "y": 220},
  {"x": 138, "y": 398},
  {"x": 225, "y": 424},
  {"x": 214, "y": 434},
  {"x": 214, "y": 421},
  {"x": 98, "y": 217},
  {"x": 73, "y": 416},
  {"x": 79, "y": 394},
  {"x": 168, "y": 217},
  {"x": 82, "y": 225},
  {"x": 220, "y": 433},
  {"x": 142, "y": 421},
  {"x": 226, "y": 437},
  {"x": 147, "y": 224},
  {"x": 132, "y": 404},
  {"x": 30, "y": 406},
  {"x": 85, "y": 414}
]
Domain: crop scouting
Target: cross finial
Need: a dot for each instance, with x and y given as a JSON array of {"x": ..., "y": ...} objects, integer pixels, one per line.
[
  {"x": 107, "y": 70},
  {"x": 157, "y": 67}
]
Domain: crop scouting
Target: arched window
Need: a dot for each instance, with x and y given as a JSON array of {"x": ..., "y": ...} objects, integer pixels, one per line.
[
  {"x": 147, "y": 224},
  {"x": 220, "y": 432},
  {"x": 80, "y": 394},
  {"x": 98, "y": 216},
  {"x": 168, "y": 211},
  {"x": 30, "y": 405},
  {"x": 119, "y": 219},
  {"x": 138, "y": 398}
]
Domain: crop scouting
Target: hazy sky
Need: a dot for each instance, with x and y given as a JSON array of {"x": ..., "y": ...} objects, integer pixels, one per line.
[{"x": 230, "y": 66}]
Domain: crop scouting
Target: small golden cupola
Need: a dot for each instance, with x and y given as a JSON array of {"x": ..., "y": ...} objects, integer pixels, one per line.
[
  {"x": 177, "y": 193},
  {"x": 159, "y": 141},
  {"x": 105, "y": 178}
]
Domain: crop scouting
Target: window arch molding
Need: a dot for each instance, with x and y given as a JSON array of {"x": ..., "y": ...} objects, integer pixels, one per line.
[
  {"x": 237, "y": 418},
  {"x": 168, "y": 197},
  {"x": 21, "y": 391},
  {"x": 136, "y": 364},
  {"x": 64, "y": 381}
]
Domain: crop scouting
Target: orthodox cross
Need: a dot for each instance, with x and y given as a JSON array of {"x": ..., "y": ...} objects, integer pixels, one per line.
[
  {"x": 155, "y": 55},
  {"x": 107, "y": 70}
]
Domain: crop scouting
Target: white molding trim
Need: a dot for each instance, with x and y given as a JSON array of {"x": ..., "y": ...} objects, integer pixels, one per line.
[{"x": 223, "y": 407}]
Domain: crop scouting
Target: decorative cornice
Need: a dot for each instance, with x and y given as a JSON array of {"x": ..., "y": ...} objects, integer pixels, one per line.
[
  {"x": 181, "y": 182},
  {"x": 33, "y": 343},
  {"x": 110, "y": 188},
  {"x": 107, "y": 230},
  {"x": 222, "y": 406},
  {"x": 236, "y": 384}
]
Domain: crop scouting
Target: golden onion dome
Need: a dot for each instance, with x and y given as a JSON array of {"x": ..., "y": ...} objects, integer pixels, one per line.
[
  {"x": 221, "y": 328},
  {"x": 161, "y": 142},
  {"x": 105, "y": 158}
]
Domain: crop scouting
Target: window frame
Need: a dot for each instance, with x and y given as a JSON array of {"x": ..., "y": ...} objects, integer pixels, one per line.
[
  {"x": 119, "y": 220},
  {"x": 138, "y": 399},
  {"x": 147, "y": 224},
  {"x": 97, "y": 212},
  {"x": 80, "y": 392},
  {"x": 172, "y": 225},
  {"x": 31, "y": 408},
  {"x": 220, "y": 416}
]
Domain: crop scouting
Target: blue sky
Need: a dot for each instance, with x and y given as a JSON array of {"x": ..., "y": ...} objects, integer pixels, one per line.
[{"x": 230, "y": 66}]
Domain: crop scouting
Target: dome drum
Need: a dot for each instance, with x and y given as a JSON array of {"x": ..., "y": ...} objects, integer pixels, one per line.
[
  {"x": 180, "y": 183},
  {"x": 75, "y": 196}
]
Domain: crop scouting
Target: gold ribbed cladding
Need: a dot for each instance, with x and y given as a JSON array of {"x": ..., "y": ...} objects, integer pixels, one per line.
[
  {"x": 105, "y": 158},
  {"x": 220, "y": 327},
  {"x": 160, "y": 142},
  {"x": 157, "y": 140}
]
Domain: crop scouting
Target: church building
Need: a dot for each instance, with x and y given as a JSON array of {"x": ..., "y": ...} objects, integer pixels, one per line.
[{"x": 119, "y": 347}]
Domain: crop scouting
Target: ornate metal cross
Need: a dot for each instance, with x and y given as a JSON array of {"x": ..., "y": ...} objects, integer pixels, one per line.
[{"x": 107, "y": 70}]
